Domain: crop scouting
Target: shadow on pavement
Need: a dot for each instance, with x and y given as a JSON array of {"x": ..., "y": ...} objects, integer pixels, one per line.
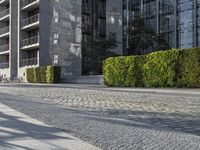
[
  {"x": 13, "y": 128},
  {"x": 170, "y": 122}
]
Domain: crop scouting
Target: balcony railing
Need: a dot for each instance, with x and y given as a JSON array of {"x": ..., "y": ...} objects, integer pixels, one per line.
[
  {"x": 4, "y": 48},
  {"x": 30, "y": 20},
  {"x": 4, "y": 31},
  {"x": 29, "y": 62},
  {"x": 4, "y": 2},
  {"x": 27, "y": 2},
  {"x": 4, "y": 13},
  {"x": 30, "y": 41},
  {"x": 4, "y": 65}
]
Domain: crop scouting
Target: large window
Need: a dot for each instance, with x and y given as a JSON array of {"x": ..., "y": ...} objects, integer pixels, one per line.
[
  {"x": 93, "y": 31},
  {"x": 177, "y": 21}
]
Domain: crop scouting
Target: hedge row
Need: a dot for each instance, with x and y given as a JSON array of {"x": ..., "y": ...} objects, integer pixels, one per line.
[
  {"x": 172, "y": 68},
  {"x": 49, "y": 74}
]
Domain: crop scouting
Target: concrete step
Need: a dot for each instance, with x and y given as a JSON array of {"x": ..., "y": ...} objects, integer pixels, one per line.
[{"x": 94, "y": 79}]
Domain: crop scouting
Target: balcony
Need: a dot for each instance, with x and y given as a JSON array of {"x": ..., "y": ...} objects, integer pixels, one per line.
[
  {"x": 29, "y": 62},
  {"x": 4, "y": 32},
  {"x": 31, "y": 22},
  {"x": 4, "y": 65},
  {"x": 4, "y": 2},
  {"x": 30, "y": 43},
  {"x": 86, "y": 8},
  {"x": 4, "y": 49},
  {"x": 4, "y": 15},
  {"x": 28, "y": 5}
]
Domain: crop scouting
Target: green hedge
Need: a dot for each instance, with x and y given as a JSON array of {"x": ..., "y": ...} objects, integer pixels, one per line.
[
  {"x": 53, "y": 74},
  {"x": 122, "y": 71},
  {"x": 30, "y": 75},
  {"x": 49, "y": 74},
  {"x": 172, "y": 68},
  {"x": 189, "y": 68},
  {"x": 159, "y": 69}
]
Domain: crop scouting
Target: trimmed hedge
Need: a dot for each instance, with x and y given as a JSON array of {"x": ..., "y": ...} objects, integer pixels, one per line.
[
  {"x": 122, "y": 71},
  {"x": 53, "y": 74},
  {"x": 189, "y": 68},
  {"x": 42, "y": 74},
  {"x": 159, "y": 69},
  {"x": 30, "y": 75},
  {"x": 172, "y": 68},
  {"x": 49, "y": 74}
]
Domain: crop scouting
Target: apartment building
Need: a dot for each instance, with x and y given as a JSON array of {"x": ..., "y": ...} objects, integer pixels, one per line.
[
  {"x": 59, "y": 32},
  {"x": 8, "y": 49},
  {"x": 53, "y": 32}
]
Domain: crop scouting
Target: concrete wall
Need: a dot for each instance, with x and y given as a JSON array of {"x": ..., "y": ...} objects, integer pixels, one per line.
[
  {"x": 60, "y": 30},
  {"x": 114, "y": 21},
  {"x": 13, "y": 38},
  {"x": 46, "y": 14}
]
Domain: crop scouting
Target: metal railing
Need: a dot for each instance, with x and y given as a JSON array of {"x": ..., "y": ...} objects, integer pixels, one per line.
[
  {"x": 27, "y": 2},
  {"x": 2, "y": 1},
  {"x": 4, "y": 31},
  {"x": 4, "y": 48},
  {"x": 4, "y": 65},
  {"x": 29, "y": 62},
  {"x": 30, "y": 41},
  {"x": 30, "y": 20},
  {"x": 4, "y": 13}
]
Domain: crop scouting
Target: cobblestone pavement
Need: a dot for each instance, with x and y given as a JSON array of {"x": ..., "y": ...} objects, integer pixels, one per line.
[{"x": 111, "y": 119}]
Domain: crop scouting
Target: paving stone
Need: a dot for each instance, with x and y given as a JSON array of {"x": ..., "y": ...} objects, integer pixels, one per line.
[{"x": 112, "y": 119}]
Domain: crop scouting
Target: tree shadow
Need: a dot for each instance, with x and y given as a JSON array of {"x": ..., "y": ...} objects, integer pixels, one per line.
[
  {"x": 13, "y": 128},
  {"x": 169, "y": 122},
  {"x": 160, "y": 121}
]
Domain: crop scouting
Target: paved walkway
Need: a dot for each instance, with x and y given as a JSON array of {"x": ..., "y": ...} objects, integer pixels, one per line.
[
  {"x": 113, "y": 118},
  {"x": 20, "y": 132}
]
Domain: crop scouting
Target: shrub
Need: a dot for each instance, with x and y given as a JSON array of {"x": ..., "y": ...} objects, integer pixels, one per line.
[
  {"x": 159, "y": 69},
  {"x": 172, "y": 68},
  {"x": 36, "y": 75},
  {"x": 50, "y": 74},
  {"x": 30, "y": 75},
  {"x": 189, "y": 70},
  {"x": 53, "y": 74},
  {"x": 42, "y": 74},
  {"x": 120, "y": 71}
]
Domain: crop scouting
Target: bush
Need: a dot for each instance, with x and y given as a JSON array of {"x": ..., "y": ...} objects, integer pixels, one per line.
[
  {"x": 36, "y": 75},
  {"x": 30, "y": 75},
  {"x": 50, "y": 74},
  {"x": 159, "y": 69},
  {"x": 42, "y": 74},
  {"x": 53, "y": 74},
  {"x": 172, "y": 68},
  {"x": 122, "y": 71},
  {"x": 189, "y": 70}
]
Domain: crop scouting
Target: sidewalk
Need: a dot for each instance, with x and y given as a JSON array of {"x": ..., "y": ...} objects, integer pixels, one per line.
[{"x": 20, "y": 132}]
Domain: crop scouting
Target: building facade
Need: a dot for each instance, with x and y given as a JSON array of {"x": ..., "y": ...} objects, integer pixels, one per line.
[
  {"x": 62, "y": 32},
  {"x": 177, "y": 20},
  {"x": 53, "y": 32}
]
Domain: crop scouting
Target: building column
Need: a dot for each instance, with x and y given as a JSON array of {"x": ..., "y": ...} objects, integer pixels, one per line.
[
  {"x": 13, "y": 38},
  {"x": 157, "y": 17},
  {"x": 175, "y": 44},
  {"x": 195, "y": 23}
]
